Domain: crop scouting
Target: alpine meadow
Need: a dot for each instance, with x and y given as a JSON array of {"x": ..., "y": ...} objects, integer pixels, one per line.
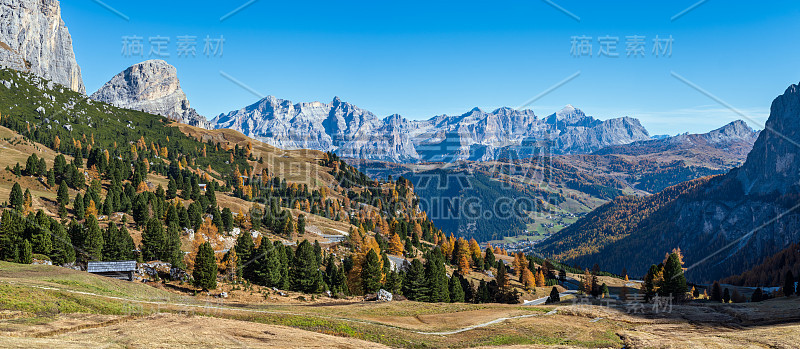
[{"x": 376, "y": 206}]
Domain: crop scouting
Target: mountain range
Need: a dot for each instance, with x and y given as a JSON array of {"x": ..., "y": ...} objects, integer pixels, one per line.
[
  {"x": 724, "y": 224},
  {"x": 477, "y": 135}
]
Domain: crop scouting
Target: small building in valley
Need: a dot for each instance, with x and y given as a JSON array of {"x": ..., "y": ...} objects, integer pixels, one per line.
[{"x": 122, "y": 270}]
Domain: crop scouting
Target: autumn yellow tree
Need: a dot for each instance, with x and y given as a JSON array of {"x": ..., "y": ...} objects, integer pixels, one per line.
[
  {"x": 474, "y": 248},
  {"x": 463, "y": 265},
  {"x": 56, "y": 143},
  {"x": 396, "y": 245},
  {"x": 540, "y": 280},
  {"x": 528, "y": 280},
  {"x": 91, "y": 209}
]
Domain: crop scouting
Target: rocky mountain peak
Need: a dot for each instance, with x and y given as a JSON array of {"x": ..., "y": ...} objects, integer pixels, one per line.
[
  {"x": 772, "y": 166},
  {"x": 733, "y": 132},
  {"x": 153, "y": 87},
  {"x": 568, "y": 115},
  {"x": 34, "y": 39}
]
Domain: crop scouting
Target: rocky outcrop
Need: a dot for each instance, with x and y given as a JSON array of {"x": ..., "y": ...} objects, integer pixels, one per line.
[
  {"x": 34, "y": 39},
  {"x": 773, "y": 166},
  {"x": 153, "y": 87},
  {"x": 475, "y": 135}
]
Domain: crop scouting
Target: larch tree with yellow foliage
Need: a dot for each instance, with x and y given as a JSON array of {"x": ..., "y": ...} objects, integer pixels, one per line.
[
  {"x": 396, "y": 245},
  {"x": 527, "y": 279},
  {"x": 540, "y": 280}
]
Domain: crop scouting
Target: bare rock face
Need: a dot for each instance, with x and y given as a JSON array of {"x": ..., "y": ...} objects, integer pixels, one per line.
[
  {"x": 338, "y": 126},
  {"x": 476, "y": 135},
  {"x": 34, "y": 39},
  {"x": 153, "y": 87},
  {"x": 773, "y": 166}
]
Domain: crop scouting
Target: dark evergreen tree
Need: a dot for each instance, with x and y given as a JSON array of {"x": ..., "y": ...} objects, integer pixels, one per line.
[
  {"x": 63, "y": 199},
  {"x": 77, "y": 206},
  {"x": 788, "y": 284},
  {"x": 555, "y": 297},
  {"x": 62, "y": 252},
  {"x": 371, "y": 273},
  {"x": 172, "y": 189},
  {"x": 16, "y": 199},
  {"x": 305, "y": 273},
  {"x": 205, "y": 268},
  {"x": 716, "y": 292},
  {"x": 415, "y": 287},
  {"x": 674, "y": 284},
  {"x": 93, "y": 245},
  {"x": 153, "y": 240},
  {"x": 172, "y": 246},
  {"x": 456, "y": 292},
  {"x": 267, "y": 266},
  {"x": 394, "y": 282},
  {"x": 301, "y": 224},
  {"x": 489, "y": 259},
  {"x": 483, "y": 295},
  {"x": 726, "y": 296},
  {"x": 25, "y": 253},
  {"x": 244, "y": 248},
  {"x": 436, "y": 275},
  {"x": 757, "y": 296},
  {"x": 227, "y": 219}
]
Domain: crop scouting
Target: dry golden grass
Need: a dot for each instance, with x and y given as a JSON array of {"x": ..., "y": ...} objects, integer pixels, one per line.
[
  {"x": 178, "y": 331},
  {"x": 298, "y": 166}
]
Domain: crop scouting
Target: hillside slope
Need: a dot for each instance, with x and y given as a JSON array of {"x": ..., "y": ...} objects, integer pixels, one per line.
[{"x": 724, "y": 226}]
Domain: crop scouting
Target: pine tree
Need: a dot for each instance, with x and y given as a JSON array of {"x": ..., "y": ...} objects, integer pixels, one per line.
[
  {"x": 16, "y": 200},
  {"x": 268, "y": 266},
  {"x": 26, "y": 253},
  {"x": 63, "y": 198},
  {"x": 456, "y": 292},
  {"x": 482, "y": 295},
  {"x": 172, "y": 189},
  {"x": 62, "y": 252},
  {"x": 726, "y": 296},
  {"x": 604, "y": 290},
  {"x": 414, "y": 285},
  {"x": 153, "y": 240},
  {"x": 371, "y": 273},
  {"x": 305, "y": 273},
  {"x": 245, "y": 247},
  {"x": 205, "y": 268},
  {"x": 93, "y": 245},
  {"x": 172, "y": 246},
  {"x": 394, "y": 282},
  {"x": 788, "y": 284},
  {"x": 301, "y": 224},
  {"x": 227, "y": 219},
  {"x": 489, "y": 259},
  {"x": 503, "y": 281},
  {"x": 80, "y": 212},
  {"x": 555, "y": 297},
  {"x": 757, "y": 296},
  {"x": 39, "y": 233},
  {"x": 716, "y": 292},
  {"x": 674, "y": 284},
  {"x": 436, "y": 275}
]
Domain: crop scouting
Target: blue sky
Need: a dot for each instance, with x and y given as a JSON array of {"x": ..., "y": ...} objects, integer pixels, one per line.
[{"x": 420, "y": 59}]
